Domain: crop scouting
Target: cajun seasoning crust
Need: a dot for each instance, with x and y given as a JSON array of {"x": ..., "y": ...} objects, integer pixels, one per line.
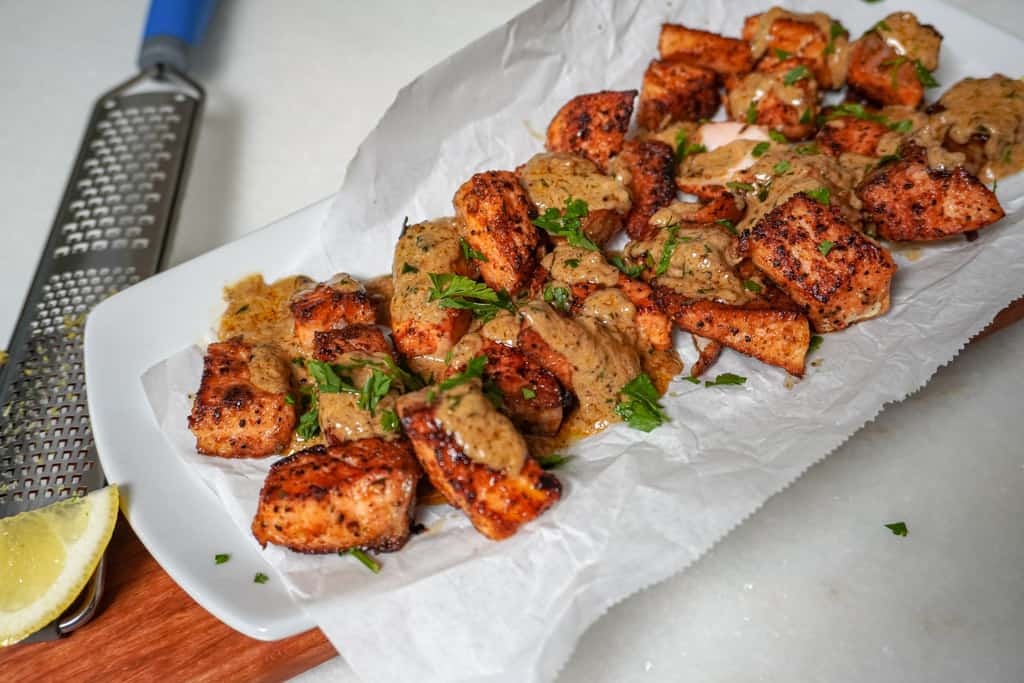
[
  {"x": 329, "y": 346},
  {"x": 324, "y": 500},
  {"x": 232, "y": 416},
  {"x": 847, "y": 284},
  {"x": 907, "y": 200},
  {"x": 712, "y": 51},
  {"x": 496, "y": 503},
  {"x": 330, "y": 305},
  {"x": 496, "y": 218},
  {"x": 651, "y": 166},
  {"x": 592, "y": 125},
  {"x": 676, "y": 91},
  {"x": 882, "y": 61},
  {"x": 851, "y": 135}
]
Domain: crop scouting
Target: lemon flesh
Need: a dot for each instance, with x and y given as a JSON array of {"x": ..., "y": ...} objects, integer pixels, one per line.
[{"x": 46, "y": 558}]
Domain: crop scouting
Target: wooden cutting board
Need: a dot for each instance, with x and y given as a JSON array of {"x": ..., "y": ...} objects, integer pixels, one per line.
[{"x": 150, "y": 629}]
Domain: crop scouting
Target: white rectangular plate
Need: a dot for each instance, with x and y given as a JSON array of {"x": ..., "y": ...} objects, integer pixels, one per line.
[{"x": 177, "y": 517}]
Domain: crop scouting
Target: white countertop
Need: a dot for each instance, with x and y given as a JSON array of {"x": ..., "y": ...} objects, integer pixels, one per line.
[{"x": 813, "y": 587}]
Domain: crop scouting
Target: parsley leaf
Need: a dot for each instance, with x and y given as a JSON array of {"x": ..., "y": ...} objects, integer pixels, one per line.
[
  {"x": 289, "y": 399},
  {"x": 408, "y": 268},
  {"x": 753, "y": 286},
  {"x": 728, "y": 225},
  {"x": 552, "y": 460},
  {"x": 631, "y": 271},
  {"x": 804, "y": 150},
  {"x": 459, "y": 291},
  {"x": 822, "y": 195},
  {"x": 474, "y": 369},
  {"x": 726, "y": 379},
  {"x": 760, "y": 149},
  {"x": 815, "y": 344},
  {"x": 529, "y": 393},
  {"x": 389, "y": 421},
  {"x": 670, "y": 246},
  {"x": 328, "y": 381},
  {"x": 835, "y": 30},
  {"x": 684, "y": 149},
  {"x": 642, "y": 411},
  {"x": 924, "y": 75},
  {"x": 469, "y": 253},
  {"x": 260, "y": 578},
  {"x": 796, "y": 74},
  {"x": 740, "y": 187},
  {"x": 571, "y": 263},
  {"x": 904, "y": 126},
  {"x": 492, "y": 392},
  {"x": 309, "y": 422},
  {"x": 221, "y": 558},
  {"x": 567, "y": 223},
  {"x": 376, "y": 387},
  {"x": 881, "y": 25},
  {"x": 559, "y": 297},
  {"x": 825, "y": 246},
  {"x": 806, "y": 116},
  {"x": 777, "y": 136},
  {"x": 367, "y": 561},
  {"x": 782, "y": 54},
  {"x": 781, "y": 168},
  {"x": 897, "y": 528},
  {"x": 752, "y": 112},
  {"x": 243, "y": 309}
]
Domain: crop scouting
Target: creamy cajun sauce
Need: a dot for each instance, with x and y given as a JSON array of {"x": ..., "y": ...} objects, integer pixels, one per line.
[
  {"x": 670, "y": 136},
  {"x": 259, "y": 312},
  {"x": 602, "y": 362},
  {"x": 268, "y": 370},
  {"x": 837, "y": 61},
  {"x": 908, "y": 38},
  {"x": 485, "y": 435},
  {"x": 718, "y": 166},
  {"x": 340, "y": 413},
  {"x": 891, "y": 141},
  {"x": 701, "y": 265},
  {"x": 381, "y": 289},
  {"x": 757, "y": 85},
  {"x": 611, "y": 307},
  {"x": 989, "y": 110},
  {"x": 552, "y": 178},
  {"x": 502, "y": 329},
  {"x": 576, "y": 265}
]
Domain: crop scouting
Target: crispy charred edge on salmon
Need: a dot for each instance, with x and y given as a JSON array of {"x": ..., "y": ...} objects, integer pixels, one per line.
[
  {"x": 778, "y": 338},
  {"x": 325, "y": 307},
  {"x": 710, "y": 50},
  {"x": 233, "y": 418},
  {"x": 707, "y": 355},
  {"x": 475, "y": 488},
  {"x": 341, "y": 468},
  {"x": 511, "y": 371},
  {"x": 717, "y": 204},
  {"x": 593, "y": 125},
  {"x": 876, "y": 76},
  {"x": 652, "y": 170},
  {"x": 496, "y": 219},
  {"x": 330, "y": 345},
  {"x": 850, "y": 134},
  {"x": 676, "y": 91},
  {"x": 847, "y": 284},
  {"x": 907, "y": 200}
]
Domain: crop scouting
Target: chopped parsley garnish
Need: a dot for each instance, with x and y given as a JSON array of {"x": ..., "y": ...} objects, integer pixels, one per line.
[
  {"x": 559, "y": 297},
  {"x": 924, "y": 75},
  {"x": 781, "y": 168},
  {"x": 825, "y": 246},
  {"x": 782, "y": 54},
  {"x": 529, "y": 393},
  {"x": 671, "y": 243},
  {"x": 726, "y": 379},
  {"x": 816, "y": 340},
  {"x": 760, "y": 149},
  {"x": 289, "y": 399},
  {"x": 752, "y": 112},
  {"x": 459, "y": 291},
  {"x": 806, "y": 116},
  {"x": 367, "y": 561},
  {"x": 796, "y": 74},
  {"x": 474, "y": 369},
  {"x": 221, "y": 558},
  {"x": 887, "y": 158},
  {"x": 309, "y": 422},
  {"x": 243, "y": 309},
  {"x": 684, "y": 149},
  {"x": 571, "y": 263},
  {"x": 470, "y": 253},
  {"x": 897, "y": 528},
  {"x": 835, "y": 30},
  {"x": 753, "y": 286},
  {"x": 740, "y": 187},
  {"x": 260, "y": 578},
  {"x": 492, "y": 392},
  {"x": 552, "y": 460},
  {"x": 389, "y": 421},
  {"x": 881, "y": 25},
  {"x": 642, "y": 410},
  {"x": 567, "y": 223},
  {"x": 691, "y": 379},
  {"x": 805, "y": 150},
  {"x": 859, "y": 112},
  {"x": 375, "y": 388},
  {"x": 904, "y": 126},
  {"x": 777, "y": 136},
  {"x": 631, "y": 271},
  {"x": 409, "y": 268},
  {"x": 327, "y": 379},
  {"x": 728, "y": 225},
  {"x": 822, "y": 195},
  {"x": 894, "y": 73}
]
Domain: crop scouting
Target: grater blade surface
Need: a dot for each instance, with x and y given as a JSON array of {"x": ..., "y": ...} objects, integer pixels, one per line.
[{"x": 109, "y": 233}]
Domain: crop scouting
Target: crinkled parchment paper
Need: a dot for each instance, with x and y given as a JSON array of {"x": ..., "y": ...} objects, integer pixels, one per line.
[{"x": 637, "y": 507}]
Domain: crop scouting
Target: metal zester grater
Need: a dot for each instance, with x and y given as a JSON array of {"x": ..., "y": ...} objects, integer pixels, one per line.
[{"x": 109, "y": 233}]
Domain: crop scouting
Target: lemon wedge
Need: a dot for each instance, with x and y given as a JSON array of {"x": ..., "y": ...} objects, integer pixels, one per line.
[{"x": 46, "y": 558}]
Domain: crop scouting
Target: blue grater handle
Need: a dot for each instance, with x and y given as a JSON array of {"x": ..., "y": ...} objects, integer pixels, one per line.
[{"x": 172, "y": 27}]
